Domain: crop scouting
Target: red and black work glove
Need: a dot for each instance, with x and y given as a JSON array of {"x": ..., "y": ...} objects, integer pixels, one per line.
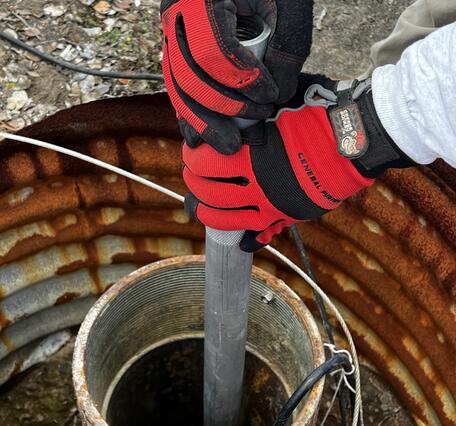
[
  {"x": 210, "y": 76},
  {"x": 297, "y": 167}
]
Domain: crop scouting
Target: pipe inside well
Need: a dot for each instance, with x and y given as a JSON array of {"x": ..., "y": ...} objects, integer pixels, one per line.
[
  {"x": 139, "y": 353},
  {"x": 166, "y": 386}
]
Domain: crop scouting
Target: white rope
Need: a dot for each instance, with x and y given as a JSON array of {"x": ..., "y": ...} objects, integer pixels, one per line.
[
  {"x": 94, "y": 161},
  {"x": 331, "y": 404},
  {"x": 358, "y": 400}
]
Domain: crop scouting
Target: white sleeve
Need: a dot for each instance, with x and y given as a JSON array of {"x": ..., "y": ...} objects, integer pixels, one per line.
[{"x": 416, "y": 98}]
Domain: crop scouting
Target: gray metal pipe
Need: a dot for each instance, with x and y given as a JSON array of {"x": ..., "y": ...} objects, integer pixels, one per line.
[
  {"x": 228, "y": 271},
  {"x": 227, "y": 288}
]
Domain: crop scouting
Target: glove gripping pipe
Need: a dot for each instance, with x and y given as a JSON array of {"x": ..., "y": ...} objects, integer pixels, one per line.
[{"x": 227, "y": 288}]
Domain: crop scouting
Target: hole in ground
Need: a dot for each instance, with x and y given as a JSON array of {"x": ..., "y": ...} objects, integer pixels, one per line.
[{"x": 165, "y": 387}]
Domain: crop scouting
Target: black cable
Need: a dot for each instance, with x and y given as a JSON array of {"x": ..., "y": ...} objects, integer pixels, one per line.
[
  {"x": 64, "y": 64},
  {"x": 335, "y": 362},
  {"x": 305, "y": 260},
  {"x": 343, "y": 405}
]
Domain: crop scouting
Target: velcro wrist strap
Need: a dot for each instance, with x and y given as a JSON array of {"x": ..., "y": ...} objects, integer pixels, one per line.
[
  {"x": 346, "y": 121},
  {"x": 359, "y": 133}
]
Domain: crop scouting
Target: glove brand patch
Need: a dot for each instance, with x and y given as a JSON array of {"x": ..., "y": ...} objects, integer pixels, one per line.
[{"x": 349, "y": 131}]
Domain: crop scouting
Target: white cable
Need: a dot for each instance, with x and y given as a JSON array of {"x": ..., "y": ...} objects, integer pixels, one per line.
[
  {"x": 358, "y": 400},
  {"x": 92, "y": 160},
  {"x": 331, "y": 404}
]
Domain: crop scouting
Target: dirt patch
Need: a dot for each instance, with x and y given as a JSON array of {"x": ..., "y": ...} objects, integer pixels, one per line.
[
  {"x": 123, "y": 36},
  {"x": 43, "y": 396},
  {"x": 348, "y": 29}
]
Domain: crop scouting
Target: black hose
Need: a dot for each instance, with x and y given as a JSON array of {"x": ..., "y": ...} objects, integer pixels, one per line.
[
  {"x": 64, "y": 64},
  {"x": 335, "y": 362},
  {"x": 343, "y": 403}
]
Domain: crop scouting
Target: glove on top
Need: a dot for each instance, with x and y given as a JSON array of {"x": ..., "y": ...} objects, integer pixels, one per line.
[
  {"x": 207, "y": 71},
  {"x": 295, "y": 168}
]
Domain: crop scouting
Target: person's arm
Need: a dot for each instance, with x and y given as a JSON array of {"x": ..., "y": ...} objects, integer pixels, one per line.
[
  {"x": 416, "y": 22},
  {"x": 416, "y": 98}
]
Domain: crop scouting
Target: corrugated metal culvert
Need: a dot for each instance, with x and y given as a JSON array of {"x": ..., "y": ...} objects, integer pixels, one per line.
[{"x": 387, "y": 257}]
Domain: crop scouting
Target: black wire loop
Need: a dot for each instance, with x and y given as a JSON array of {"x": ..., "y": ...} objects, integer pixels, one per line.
[{"x": 335, "y": 362}]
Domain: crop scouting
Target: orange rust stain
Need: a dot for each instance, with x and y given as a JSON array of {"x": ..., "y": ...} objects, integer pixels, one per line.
[
  {"x": 65, "y": 298},
  {"x": 92, "y": 260},
  {"x": 147, "y": 153},
  {"x": 4, "y": 322},
  {"x": 96, "y": 280},
  {"x": 92, "y": 253},
  {"x": 17, "y": 368},
  {"x": 21, "y": 167},
  {"x": 65, "y": 221},
  {"x": 141, "y": 255},
  {"x": 71, "y": 267},
  {"x": 7, "y": 342},
  {"x": 197, "y": 247},
  {"x": 105, "y": 149},
  {"x": 49, "y": 161}
]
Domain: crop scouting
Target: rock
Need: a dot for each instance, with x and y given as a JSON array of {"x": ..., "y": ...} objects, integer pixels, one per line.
[
  {"x": 33, "y": 74},
  {"x": 10, "y": 32},
  {"x": 3, "y": 116},
  {"x": 75, "y": 90},
  {"x": 32, "y": 32},
  {"x": 23, "y": 82},
  {"x": 123, "y": 4},
  {"x": 319, "y": 21},
  {"x": 90, "y": 97},
  {"x": 87, "y": 2},
  {"x": 102, "y": 88},
  {"x": 69, "y": 53},
  {"x": 88, "y": 52},
  {"x": 54, "y": 10},
  {"x": 95, "y": 63},
  {"x": 109, "y": 24},
  {"x": 17, "y": 100},
  {"x": 104, "y": 8},
  {"x": 87, "y": 84},
  {"x": 92, "y": 32},
  {"x": 16, "y": 124}
]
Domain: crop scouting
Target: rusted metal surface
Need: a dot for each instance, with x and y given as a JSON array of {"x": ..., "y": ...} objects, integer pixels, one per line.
[
  {"x": 32, "y": 354},
  {"x": 388, "y": 255},
  {"x": 284, "y": 333}
]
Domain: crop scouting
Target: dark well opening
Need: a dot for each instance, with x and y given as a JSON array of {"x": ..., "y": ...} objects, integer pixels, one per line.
[{"x": 165, "y": 387}]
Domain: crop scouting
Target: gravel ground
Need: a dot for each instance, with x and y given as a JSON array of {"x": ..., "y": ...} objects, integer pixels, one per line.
[
  {"x": 125, "y": 35},
  {"x": 122, "y": 35}
]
